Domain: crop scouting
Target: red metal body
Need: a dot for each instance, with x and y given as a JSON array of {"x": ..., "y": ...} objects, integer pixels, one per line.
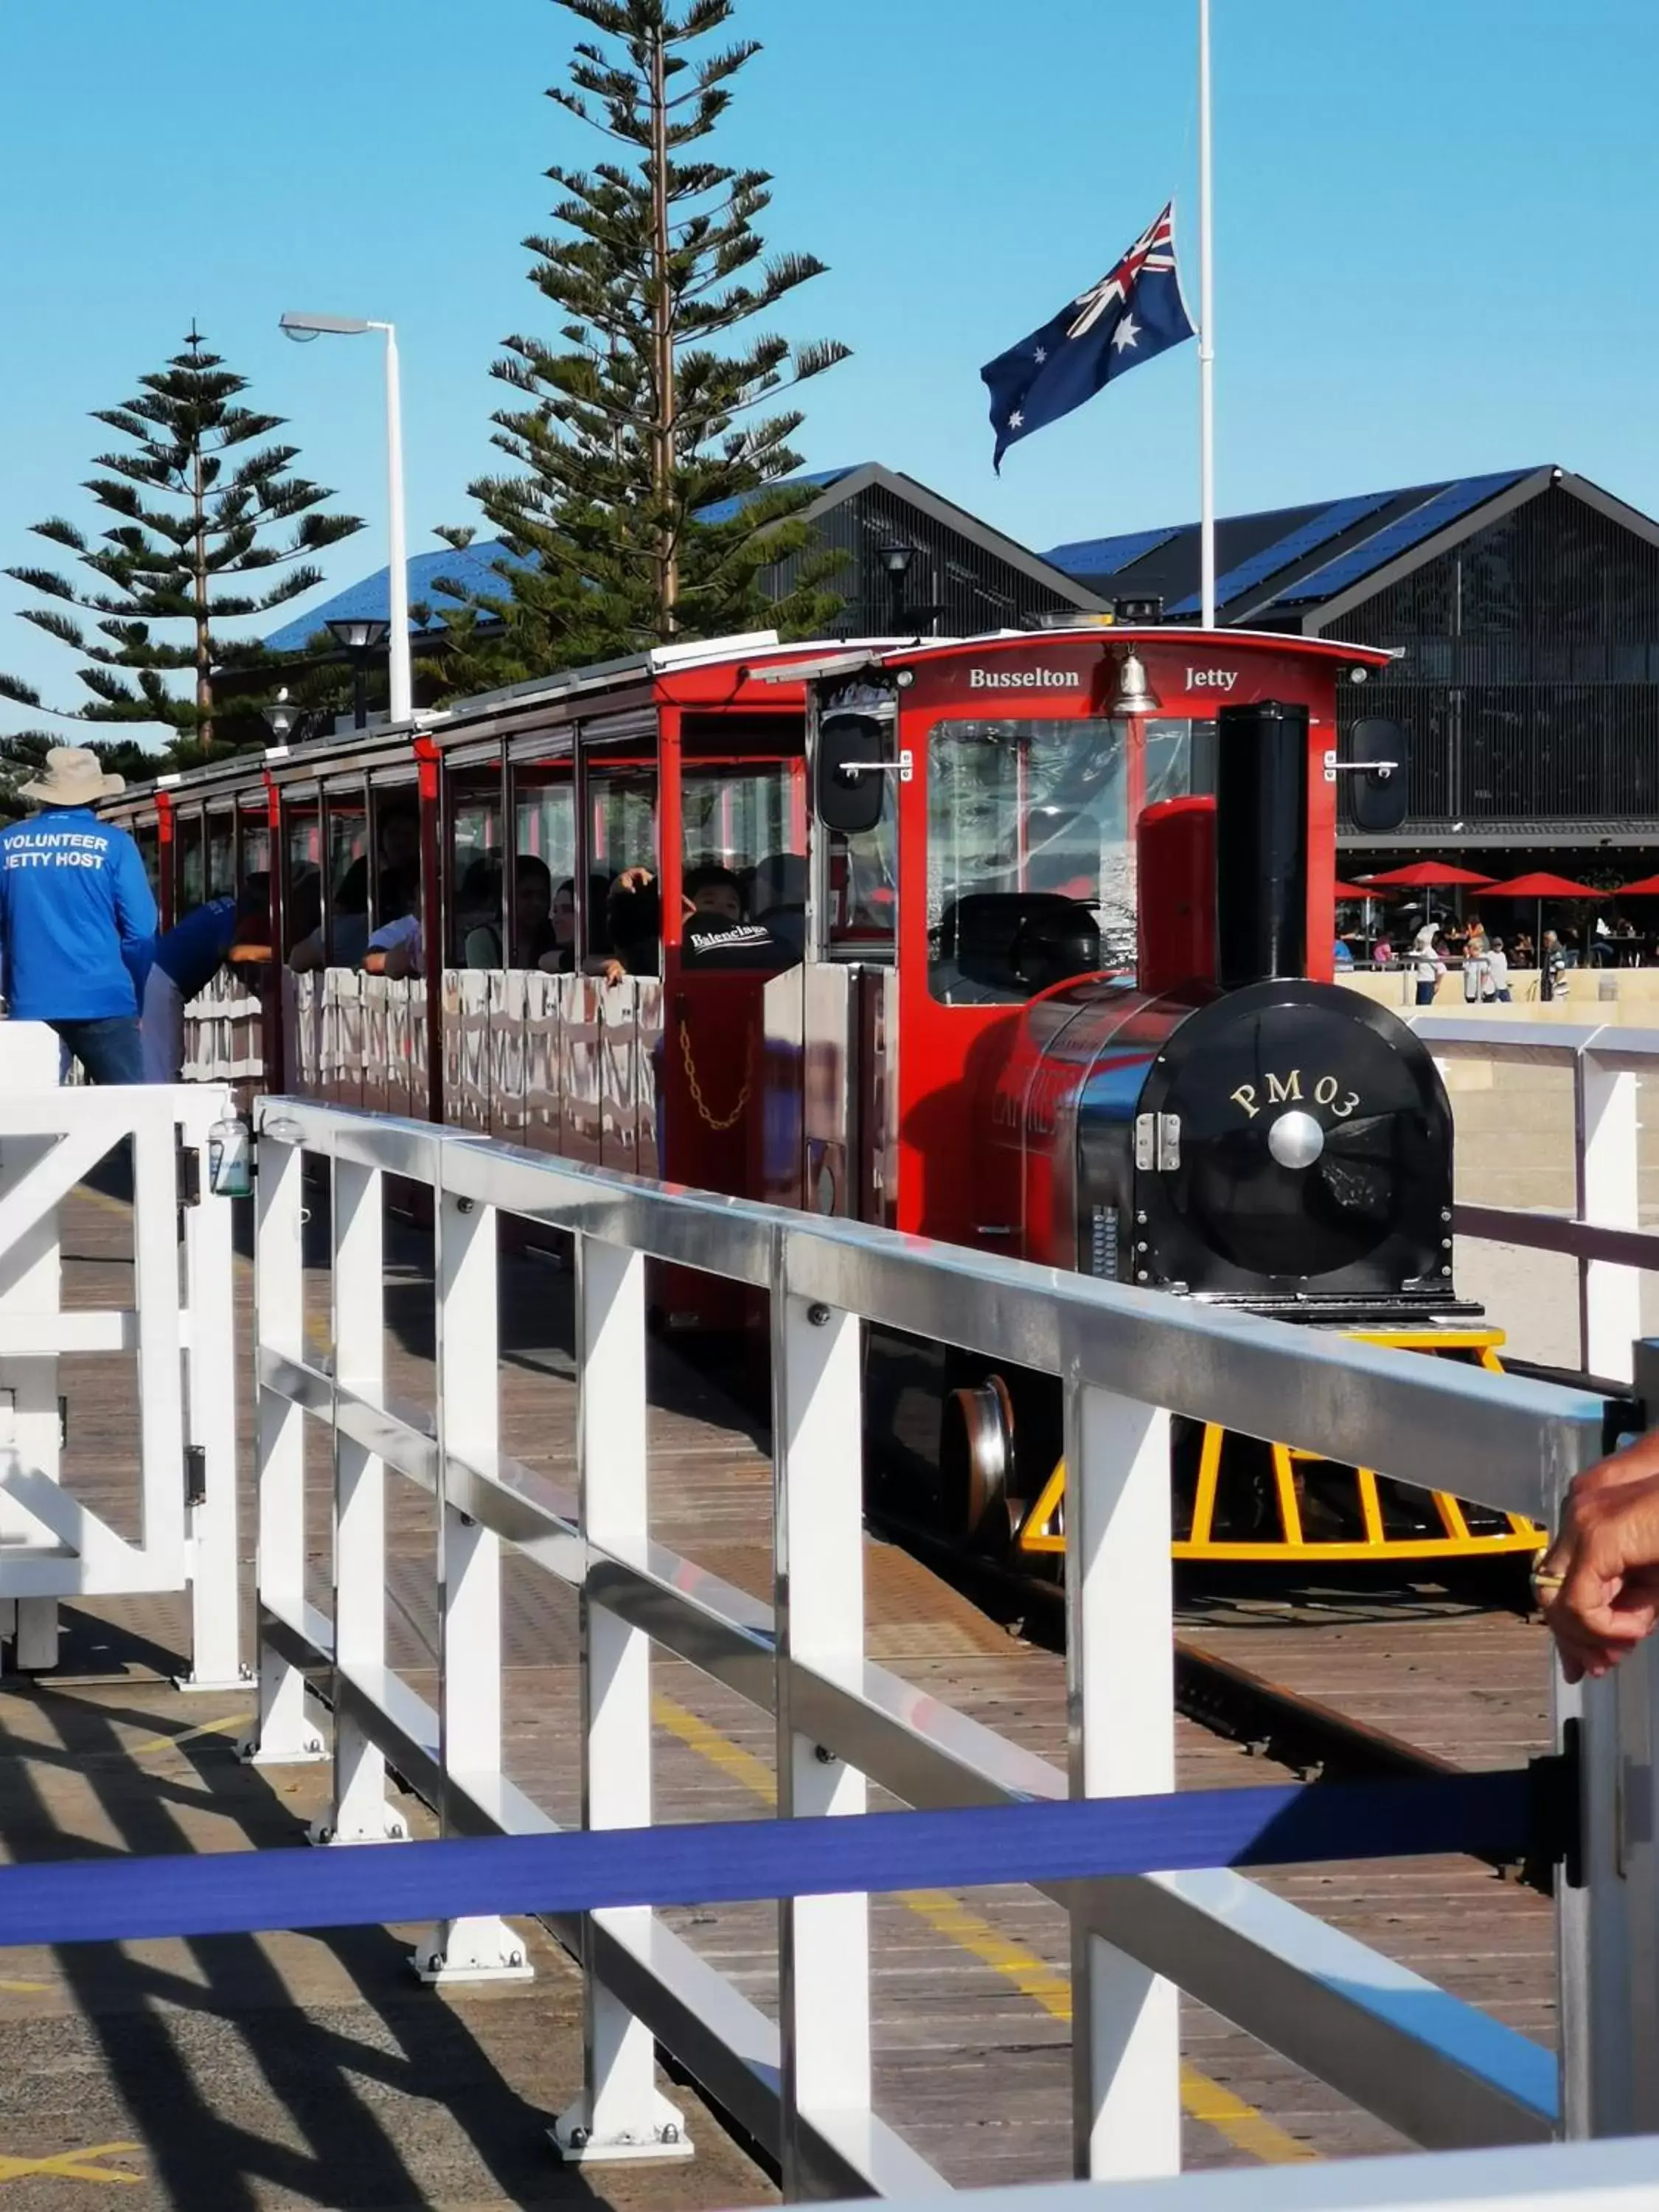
[{"x": 847, "y": 1082}]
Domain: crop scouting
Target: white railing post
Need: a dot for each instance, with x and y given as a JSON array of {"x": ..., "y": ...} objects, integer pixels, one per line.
[
  {"x": 823, "y": 1942},
  {"x": 31, "y": 1280},
  {"x": 360, "y": 1814},
  {"x": 1607, "y": 1931},
  {"x": 1120, "y": 1666},
  {"x": 621, "y": 2112},
  {"x": 211, "y": 1369},
  {"x": 1609, "y": 1297},
  {"x": 284, "y": 1732},
  {"x": 481, "y": 1947}
]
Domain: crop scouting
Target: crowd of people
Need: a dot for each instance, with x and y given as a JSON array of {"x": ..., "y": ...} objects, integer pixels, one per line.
[{"x": 1425, "y": 950}]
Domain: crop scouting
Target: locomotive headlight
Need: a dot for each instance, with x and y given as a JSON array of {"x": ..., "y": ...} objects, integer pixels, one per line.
[{"x": 1296, "y": 1140}]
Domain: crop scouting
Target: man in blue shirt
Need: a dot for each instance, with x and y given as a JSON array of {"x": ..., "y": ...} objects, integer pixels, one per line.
[
  {"x": 172, "y": 970},
  {"x": 73, "y": 896}
]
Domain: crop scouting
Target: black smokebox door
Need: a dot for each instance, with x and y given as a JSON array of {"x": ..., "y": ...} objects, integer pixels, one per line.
[{"x": 1261, "y": 842}]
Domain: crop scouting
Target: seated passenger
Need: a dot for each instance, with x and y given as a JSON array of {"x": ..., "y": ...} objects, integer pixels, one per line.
[
  {"x": 715, "y": 934},
  {"x": 633, "y": 926},
  {"x": 532, "y": 928},
  {"x": 394, "y": 948},
  {"x": 478, "y": 913}
]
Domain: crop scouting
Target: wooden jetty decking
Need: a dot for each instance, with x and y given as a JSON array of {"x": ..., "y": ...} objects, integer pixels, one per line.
[{"x": 314, "y": 2070}]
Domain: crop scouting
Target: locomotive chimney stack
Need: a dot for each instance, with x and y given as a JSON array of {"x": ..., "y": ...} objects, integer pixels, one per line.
[{"x": 1261, "y": 842}]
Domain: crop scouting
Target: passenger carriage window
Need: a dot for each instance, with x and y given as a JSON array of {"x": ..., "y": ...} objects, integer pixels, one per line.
[
  {"x": 622, "y": 840},
  {"x": 744, "y": 862},
  {"x": 221, "y": 855},
  {"x": 472, "y": 868},
  {"x": 543, "y": 923},
  {"x": 1031, "y": 851},
  {"x": 150, "y": 850},
  {"x": 192, "y": 863},
  {"x": 349, "y": 923}
]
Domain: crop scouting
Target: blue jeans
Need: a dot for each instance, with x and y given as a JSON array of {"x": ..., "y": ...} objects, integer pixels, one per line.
[{"x": 108, "y": 1050}]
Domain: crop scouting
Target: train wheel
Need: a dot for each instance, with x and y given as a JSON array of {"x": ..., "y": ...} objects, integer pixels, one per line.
[{"x": 977, "y": 1461}]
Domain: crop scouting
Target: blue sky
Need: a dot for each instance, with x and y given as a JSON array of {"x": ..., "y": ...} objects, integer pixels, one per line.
[{"x": 1435, "y": 224}]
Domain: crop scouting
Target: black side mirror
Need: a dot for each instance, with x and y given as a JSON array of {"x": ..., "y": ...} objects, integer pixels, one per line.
[
  {"x": 1378, "y": 793},
  {"x": 850, "y": 772}
]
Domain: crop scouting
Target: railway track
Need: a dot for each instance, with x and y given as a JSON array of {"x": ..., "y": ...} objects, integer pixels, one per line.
[{"x": 1305, "y": 1735}]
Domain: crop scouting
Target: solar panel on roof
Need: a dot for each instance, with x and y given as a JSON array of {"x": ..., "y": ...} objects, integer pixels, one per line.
[
  {"x": 1330, "y": 522},
  {"x": 1104, "y": 556},
  {"x": 1399, "y": 537}
]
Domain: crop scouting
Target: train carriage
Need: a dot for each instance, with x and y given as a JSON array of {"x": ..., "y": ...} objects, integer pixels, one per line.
[{"x": 966, "y": 886}]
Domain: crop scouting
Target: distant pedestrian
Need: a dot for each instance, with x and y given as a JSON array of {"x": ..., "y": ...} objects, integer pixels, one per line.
[
  {"x": 73, "y": 896},
  {"x": 1496, "y": 992},
  {"x": 1426, "y": 965},
  {"x": 1552, "y": 967},
  {"x": 176, "y": 967}
]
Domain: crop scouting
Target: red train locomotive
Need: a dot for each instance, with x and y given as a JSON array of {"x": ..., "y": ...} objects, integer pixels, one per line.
[{"x": 960, "y": 938}]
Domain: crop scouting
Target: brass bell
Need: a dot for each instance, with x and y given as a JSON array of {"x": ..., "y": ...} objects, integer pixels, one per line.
[{"x": 1135, "y": 695}]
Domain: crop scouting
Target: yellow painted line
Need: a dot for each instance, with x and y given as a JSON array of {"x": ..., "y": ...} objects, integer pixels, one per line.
[
  {"x": 74, "y": 2165},
  {"x": 1245, "y": 2128},
  {"x": 25, "y": 1988},
  {"x": 228, "y": 1726}
]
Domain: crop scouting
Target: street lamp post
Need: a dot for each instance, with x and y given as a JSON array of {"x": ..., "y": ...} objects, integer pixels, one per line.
[
  {"x": 360, "y": 639},
  {"x": 303, "y": 329}
]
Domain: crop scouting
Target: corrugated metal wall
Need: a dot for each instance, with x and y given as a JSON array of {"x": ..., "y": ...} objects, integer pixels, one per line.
[
  {"x": 972, "y": 589},
  {"x": 1531, "y": 683}
]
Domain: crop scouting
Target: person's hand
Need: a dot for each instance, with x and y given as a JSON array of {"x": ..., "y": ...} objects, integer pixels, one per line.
[
  {"x": 614, "y": 972},
  {"x": 1599, "y": 1580},
  {"x": 633, "y": 879}
]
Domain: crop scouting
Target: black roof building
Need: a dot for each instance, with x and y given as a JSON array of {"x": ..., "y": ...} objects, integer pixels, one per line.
[
  {"x": 1524, "y": 609},
  {"x": 915, "y": 563}
]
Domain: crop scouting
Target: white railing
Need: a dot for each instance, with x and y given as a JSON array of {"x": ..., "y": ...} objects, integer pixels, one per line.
[
  {"x": 1442, "y": 2073},
  {"x": 1619, "y": 2177},
  {"x": 176, "y": 1342},
  {"x": 1604, "y": 1235}
]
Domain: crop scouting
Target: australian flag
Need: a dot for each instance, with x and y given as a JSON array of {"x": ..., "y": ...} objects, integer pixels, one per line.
[{"x": 1135, "y": 311}]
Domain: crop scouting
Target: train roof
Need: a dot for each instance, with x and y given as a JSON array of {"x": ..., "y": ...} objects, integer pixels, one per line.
[{"x": 679, "y": 673}]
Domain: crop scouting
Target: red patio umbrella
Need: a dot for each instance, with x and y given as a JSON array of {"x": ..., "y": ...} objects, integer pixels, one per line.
[
  {"x": 1539, "y": 886},
  {"x": 1427, "y": 876},
  {"x": 1644, "y": 887},
  {"x": 1359, "y": 892}
]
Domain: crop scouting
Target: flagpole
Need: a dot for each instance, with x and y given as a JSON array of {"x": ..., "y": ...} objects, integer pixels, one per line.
[{"x": 1206, "y": 331}]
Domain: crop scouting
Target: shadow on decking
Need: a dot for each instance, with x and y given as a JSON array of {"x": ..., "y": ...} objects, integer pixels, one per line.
[{"x": 255, "y": 2068}]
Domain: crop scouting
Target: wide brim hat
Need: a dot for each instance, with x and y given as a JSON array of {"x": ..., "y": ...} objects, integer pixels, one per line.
[{"x": 74, "y": 776}]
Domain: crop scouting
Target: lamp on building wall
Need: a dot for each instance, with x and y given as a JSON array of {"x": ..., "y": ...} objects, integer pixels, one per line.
[
  {"x": 896, "y": 560},
  {"x": 360, "y": 638}
]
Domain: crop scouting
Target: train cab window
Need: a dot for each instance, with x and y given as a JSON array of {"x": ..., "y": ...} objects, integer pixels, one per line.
[
  {"x": 1031, "y": 863},
  {"x": 1031, "y": 856},
  {"x": 148, "y": 838},
  {"x": 745, "y": 864}
]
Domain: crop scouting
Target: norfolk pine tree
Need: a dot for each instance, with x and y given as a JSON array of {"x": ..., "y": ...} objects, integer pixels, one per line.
[
  {"x": 649, "y": 411},
  {"x": 197, "y": 502}
]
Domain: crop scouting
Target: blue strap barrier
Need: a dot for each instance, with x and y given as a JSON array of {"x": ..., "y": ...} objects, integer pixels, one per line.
[{"x": 244, "y": 1892}]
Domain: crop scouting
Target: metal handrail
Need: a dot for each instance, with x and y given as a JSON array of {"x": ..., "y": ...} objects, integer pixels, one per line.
[{"x": 1441, "y": 2072}]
